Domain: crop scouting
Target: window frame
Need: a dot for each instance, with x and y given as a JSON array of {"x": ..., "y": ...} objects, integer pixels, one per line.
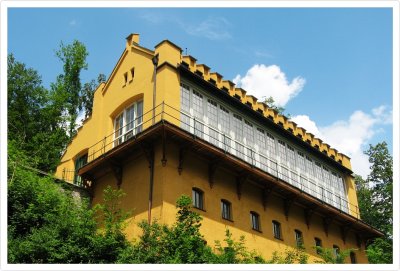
[
  {"x": 200, "y": 193},
  {"x": 277, "y": 230},
  {"x": 318, "y": 245},
  {"x": 255, "y": 221},
  {"x": 226, "y": 213},
  {"x": 127, "y": 130},
  {"x": 298, "y": 236}
]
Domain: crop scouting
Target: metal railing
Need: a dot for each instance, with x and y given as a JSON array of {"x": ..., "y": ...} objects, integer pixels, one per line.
[{"x": 204, "y": 131}]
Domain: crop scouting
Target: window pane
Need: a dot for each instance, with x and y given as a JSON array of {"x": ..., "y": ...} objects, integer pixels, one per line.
[
  {"x": 139, "y": 117},
  {"x": 212, "y": 114}
]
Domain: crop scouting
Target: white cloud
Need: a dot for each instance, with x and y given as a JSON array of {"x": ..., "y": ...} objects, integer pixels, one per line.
[
  {"x": 350, "y": 136},
  {"x": 265, "y": 81},
  {"x": 211, "y": 28},
  {"x": 73, "y": 22}
]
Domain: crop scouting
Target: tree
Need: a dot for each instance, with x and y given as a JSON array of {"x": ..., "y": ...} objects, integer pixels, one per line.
[
  {"x": 271, "y": 103},
  {"x": 88, "y": 93},
  {"x": 68, "y": 87},
  {"x": 33, "y": 122},
  {"x": 375, "y": 197}
]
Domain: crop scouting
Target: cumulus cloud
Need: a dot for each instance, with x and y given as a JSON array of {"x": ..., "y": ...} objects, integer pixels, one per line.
[
  {"x": 270, "y": 81},
  {"x": 350, "y": 136}
]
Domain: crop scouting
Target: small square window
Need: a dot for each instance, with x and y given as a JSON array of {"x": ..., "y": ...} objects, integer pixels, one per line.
[
  {"x": 255, "y": 221},
  {"x": 198, "y": 198},
  {"x": 226, "y": 210},
  {"x": 276, "y": 226}
]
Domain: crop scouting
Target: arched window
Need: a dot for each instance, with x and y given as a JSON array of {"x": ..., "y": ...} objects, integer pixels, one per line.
[
  {"x": 226, "y": 209},
  {"x": 276, "y": 228},
  {"x": 255, "y": 221},
  {"x": 318, "y": 245},
  {"x": 353, "y": 257},
  {"x": 198, "y": 198},
  {"x": 128, "y": 123},
  {"x": 298, "y": 235}
]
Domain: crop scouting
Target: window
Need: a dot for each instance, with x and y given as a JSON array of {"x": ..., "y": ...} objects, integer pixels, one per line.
[
  {"x": 198, "y": 113},
  {"x": 299, "y": 238},
  {"x": 212, "y": 113},
  {"x": 198, "y": 198},
  {"x": 271, "y": 145},
  {"x": 226, "y": 209},
  {"x": 185, "y": 106},
  {"x": 128, "y": 123},
  {"x": 282, "y": 151},
  {"x": 276, "y": 227},
  {"x": 238, "y": 130},
  {"x": 225, "y": 127},
  {"x": 301, "y": 162},
  {"x": 255, "y": 221},
  {"x": 336, "y": 251},
  {"x": 125, "y": 78},
  {"x": 318, "y": 245},
  {"x": 353, "y": 258},
  {"x": 291, "y": 157},
  {"x": 132, "y": 74},
  {"x": 79, "y": 162}
]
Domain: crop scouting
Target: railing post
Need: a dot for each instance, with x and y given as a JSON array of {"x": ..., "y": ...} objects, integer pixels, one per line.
[{"x": 104, "y": 145}]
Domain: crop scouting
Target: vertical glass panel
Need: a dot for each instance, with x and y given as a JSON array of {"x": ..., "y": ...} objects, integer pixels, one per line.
[
  {"x": 238, "y": 131},
  {"x": 198, "y": 114},
  {"x": 139, "y": 117},
  {"x": 224, "y": 120},
  {"x": 212, "y": 114},
  {"x": 185, "y": 106}
]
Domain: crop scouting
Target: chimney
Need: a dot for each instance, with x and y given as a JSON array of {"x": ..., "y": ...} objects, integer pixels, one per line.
[{"x": 132, "y": 39}]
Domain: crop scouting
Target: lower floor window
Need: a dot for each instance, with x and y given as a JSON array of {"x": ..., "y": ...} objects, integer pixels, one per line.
[
  {"x": 255, "y": 221},
  {"x": 353, "y": 257},
  {"x": 79, "y": 162},
  {"x": 226, "y": 209},
  {"x": 197, "y": 198},
  {"x": 276, "y": 226}
]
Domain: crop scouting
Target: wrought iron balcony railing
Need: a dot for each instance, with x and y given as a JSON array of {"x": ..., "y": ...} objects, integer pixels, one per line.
[{"x": 203, "y": 131}]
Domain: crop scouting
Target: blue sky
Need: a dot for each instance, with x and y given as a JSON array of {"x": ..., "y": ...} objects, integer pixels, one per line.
[{"x": 331, "y": 67}]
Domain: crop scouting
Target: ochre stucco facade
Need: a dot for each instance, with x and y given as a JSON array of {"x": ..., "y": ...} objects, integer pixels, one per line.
[{"x": 155, "y": 167}]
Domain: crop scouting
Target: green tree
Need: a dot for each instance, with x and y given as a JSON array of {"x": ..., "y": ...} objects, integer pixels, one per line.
[
  {"x": 375, "y": 196},
  {"x": 290, "y": 256},
  {"x": 68, "y": 86},
  {"x": 33, "y": 122}
]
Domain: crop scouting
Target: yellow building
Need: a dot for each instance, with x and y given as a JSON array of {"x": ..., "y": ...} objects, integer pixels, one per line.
[{"x": 163, "y": 125}]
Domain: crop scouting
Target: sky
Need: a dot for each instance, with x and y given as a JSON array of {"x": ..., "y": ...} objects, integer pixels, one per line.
[{"x": 330, "y": 68}]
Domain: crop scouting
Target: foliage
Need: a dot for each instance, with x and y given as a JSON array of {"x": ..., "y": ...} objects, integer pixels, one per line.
[
  {"x": 290, "y": 256},
  {"x": 46, "y": 224},
  {"x": 179, "y": 243},
  {"x": 271, "y": 103},
  {"x": 33, "y": 122},
  {"x": 333, "y": 256},
  {"x": 375, "y": 197},
  {"x": 68, "y": 85},
  {"x": 234, "y": 251}
]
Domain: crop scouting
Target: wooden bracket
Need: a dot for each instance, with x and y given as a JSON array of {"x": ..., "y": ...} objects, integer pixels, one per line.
[
  {"x": 265, "y": 196},
  {"x": 212, "y": 167},
  {"x": 344, "y": 231},
  {"x": 180, "y": 161},
  {"x": 240, "y": 180},
  {"x": 358, "y": 240},
  {"x": 116, "y": 169},
  {"x": 149, "y": 154},
  {"x": 287, "y": 203},
  {"x": 308, "y": 212},
  {"x": 326, "y": 221}
]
